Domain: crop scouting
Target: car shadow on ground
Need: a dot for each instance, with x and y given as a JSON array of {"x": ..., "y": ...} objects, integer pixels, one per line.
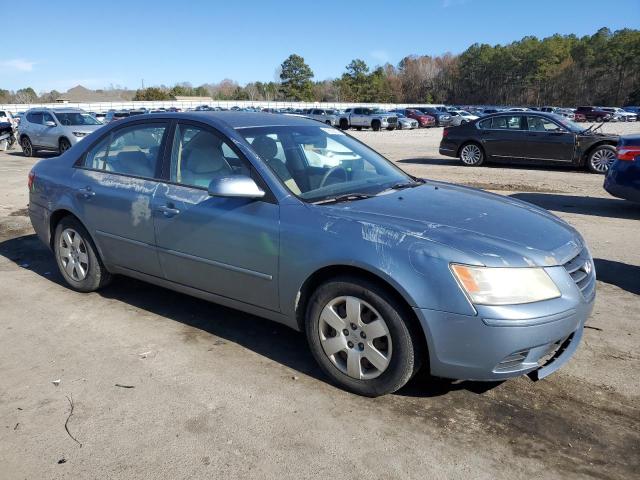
[
  {"x": 454, "y": 162},
  {"x": 622, "y": 275},
  {"x": 595, "y": 206},
  {"x": 18, "y": 153},
  {"x": 269, "y": 339}
]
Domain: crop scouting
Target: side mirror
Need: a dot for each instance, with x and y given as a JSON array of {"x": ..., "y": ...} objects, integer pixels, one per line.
[
  {"x": 49, "y": 123},
  {"x": 238, "y": 186}
]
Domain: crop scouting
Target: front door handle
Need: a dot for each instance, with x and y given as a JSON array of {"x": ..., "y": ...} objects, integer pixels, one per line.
[
  {"x": 168, "y": 211},
  {"x": 85, "y": 193}
]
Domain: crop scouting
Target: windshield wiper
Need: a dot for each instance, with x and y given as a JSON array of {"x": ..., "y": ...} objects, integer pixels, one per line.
[
  {"x": 400, "y": 186},
  {"x": 344, "y": 198}
]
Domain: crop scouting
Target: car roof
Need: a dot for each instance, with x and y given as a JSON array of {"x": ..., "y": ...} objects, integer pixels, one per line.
[{"x": 58, "y": 110}]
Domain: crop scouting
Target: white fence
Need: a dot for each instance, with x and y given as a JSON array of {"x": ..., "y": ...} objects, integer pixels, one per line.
[{"x": 106, "y": 106}]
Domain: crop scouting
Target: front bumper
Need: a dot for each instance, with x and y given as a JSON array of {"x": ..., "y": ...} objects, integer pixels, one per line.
[{"x": 508, "y": 341}]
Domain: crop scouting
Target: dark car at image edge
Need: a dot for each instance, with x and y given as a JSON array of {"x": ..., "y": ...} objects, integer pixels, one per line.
[
  {"x": 529, "y": 138},
  {"x": 623, "y": 177}
]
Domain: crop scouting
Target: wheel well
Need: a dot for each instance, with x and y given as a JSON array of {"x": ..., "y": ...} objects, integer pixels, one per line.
[
  {"x": 586, "y": 154},
  {"x": 55, "y": 219},
  {"x": 327, "y": 273},
  {"x": 24, "y": 135},
  {"x": 63, "y": 137}
]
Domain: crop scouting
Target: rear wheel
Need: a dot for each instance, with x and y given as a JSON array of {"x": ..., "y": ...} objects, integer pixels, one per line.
[
  {"x": 77, "y": 257},
  {"x": 361, "y": 338},
  {"x": 601, "y": 158},
  {"x": 471, "y": 155},
  {"x": 344, "y": 124},
  {"x": 27, "y": 147}
]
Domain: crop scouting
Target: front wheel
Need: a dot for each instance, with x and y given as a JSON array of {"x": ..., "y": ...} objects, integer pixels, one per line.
[
  {"x": 471, "y": 155},
  {"x": 77, "y": 257},
  {"x": 601, "y": 158},
  {"x": 344, "y": 124},
  {"x": 64, "y": 145},
  {"x": 375, "y": 125},
  {"x": 361, "y": 337}
]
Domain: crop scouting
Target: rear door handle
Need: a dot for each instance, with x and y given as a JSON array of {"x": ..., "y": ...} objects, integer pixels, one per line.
[
  {"x": 168, "y": 211},
  {"x": 86, "y": 193}
]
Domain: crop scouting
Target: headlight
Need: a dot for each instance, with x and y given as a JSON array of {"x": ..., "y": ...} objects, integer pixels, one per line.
[
  {"x": 505, "y": 286},
  {"x": 80, "y": 134}
]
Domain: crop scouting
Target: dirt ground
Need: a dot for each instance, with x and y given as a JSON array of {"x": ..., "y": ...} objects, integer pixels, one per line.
[{"x": 215, "y": 393}]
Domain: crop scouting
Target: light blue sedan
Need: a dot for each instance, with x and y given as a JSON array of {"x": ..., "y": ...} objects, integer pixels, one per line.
[{"x": 295, "y": 221}]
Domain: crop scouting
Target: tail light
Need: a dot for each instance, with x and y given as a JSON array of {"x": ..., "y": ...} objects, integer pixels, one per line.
[
  {"x": 445, "y": 132},
  {"x": 628, "y": 153},
  {"x": 32, "y": 177}
]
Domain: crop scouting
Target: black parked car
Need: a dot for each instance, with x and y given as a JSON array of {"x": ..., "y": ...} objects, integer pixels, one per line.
[
  {"x": 623, "y": 178},
  {"x": 529, "y": 137}
]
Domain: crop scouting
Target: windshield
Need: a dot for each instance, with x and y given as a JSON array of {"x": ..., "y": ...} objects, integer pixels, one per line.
[
  {"x": 76, "y": 118},
  {"x": 317, "y": 163},
  {"x": 566, "y": 123}
]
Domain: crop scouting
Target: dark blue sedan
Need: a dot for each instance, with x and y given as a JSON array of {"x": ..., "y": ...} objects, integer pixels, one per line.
[{"x": 623, "y": 177}]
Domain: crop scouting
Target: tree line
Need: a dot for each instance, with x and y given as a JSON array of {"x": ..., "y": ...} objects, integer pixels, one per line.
[{"x": 598, "y": 69}]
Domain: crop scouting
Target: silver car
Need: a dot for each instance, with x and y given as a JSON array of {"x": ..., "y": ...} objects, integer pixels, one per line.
[
  {"x": 325, "y": 115},
  {"x": 54, "y": 129},
  {"x": 287, "y": 218}
]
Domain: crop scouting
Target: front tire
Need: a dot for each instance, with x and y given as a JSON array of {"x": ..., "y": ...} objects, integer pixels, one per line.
[
  {"x": 375, "y": 126},
  {"x": 344, "y": 124},
  {"x": 471, "y": 155},
  {"x": 63, "y": 145},
  {"x": 361, "y": 338},
  {"x": 77, "y": 257},
  {"x": 601, "y": 158}
]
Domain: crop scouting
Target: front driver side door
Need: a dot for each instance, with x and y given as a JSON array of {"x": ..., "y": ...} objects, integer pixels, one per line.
[
  {"x": 546, "y": 140},
  {"x": 225, "y": 246}
]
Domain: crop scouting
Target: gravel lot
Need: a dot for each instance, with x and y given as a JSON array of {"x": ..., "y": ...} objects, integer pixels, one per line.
[{"x": 221, "y": 394}]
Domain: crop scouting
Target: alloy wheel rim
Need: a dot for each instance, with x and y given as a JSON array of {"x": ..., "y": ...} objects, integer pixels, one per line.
[
  {"x": 602, "y": 159},
  {"x": 470, "y": 154},
  {"x": 73, "y": 255},
  {"x": 355, "y": 338}
]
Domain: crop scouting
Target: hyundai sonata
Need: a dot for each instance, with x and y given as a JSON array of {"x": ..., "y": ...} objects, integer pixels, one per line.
[{"x": 295, "y": 221}]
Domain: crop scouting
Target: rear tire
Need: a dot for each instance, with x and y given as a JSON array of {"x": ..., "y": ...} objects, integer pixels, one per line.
[
  {"x": 344, "y": 124},
  {"x": 377, "y": 329},
  {"x": 601, "y": 158},
  {"x": 77, "y": 257},
  {"x": 27, "y": 146},
  {"x": 471, "y": 155}
]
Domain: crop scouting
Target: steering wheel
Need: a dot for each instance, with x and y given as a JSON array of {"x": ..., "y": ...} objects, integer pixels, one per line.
[{"x": 332, "y": 171}]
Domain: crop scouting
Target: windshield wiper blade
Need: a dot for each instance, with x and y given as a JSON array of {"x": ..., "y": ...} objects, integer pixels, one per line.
[
  {"x": 400, "y": 186},
  {"x": 344, "y": 198}
]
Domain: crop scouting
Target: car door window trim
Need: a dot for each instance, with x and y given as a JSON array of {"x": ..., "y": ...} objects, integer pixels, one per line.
[{"x": 80, "y": 163}]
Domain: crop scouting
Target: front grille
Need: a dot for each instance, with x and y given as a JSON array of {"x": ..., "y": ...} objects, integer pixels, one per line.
[
  {"x": 581, "y": 270},
  {"x": 392, "y": 119}
]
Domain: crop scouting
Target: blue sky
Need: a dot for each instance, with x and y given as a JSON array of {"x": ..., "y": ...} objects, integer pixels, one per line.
[{"x": 68, "y": 42}]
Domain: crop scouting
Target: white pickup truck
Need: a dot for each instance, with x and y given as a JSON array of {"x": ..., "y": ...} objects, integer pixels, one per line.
[{"x": 363, "y": 117}]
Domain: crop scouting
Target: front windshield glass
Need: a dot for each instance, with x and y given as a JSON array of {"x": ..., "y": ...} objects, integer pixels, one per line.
[
  {"x": 566, "y": 123},
  {"x": 318, "y": 163},
  {"x": 77, "y": 118}
]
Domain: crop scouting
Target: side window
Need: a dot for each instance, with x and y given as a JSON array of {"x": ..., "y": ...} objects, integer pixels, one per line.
[
  {"x": 47, "y": 117},
  {"x": 131, "y": 151},
  {"x": 506, "y": 123},
  {"x": 35, "y": 117},
  {"x": 199, "y": 155},
  {"x": 485, "y": 123},
  {"x": 357, "y": 111},
  {"x": 541, "y": 124}
]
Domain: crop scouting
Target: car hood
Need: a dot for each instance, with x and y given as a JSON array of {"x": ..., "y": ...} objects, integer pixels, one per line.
[
  {"x": 491, "y": 229},
  {"x": 84, "y": 128}
]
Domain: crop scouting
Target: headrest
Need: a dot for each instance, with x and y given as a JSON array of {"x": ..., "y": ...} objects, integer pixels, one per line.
[{"x": 265, "y": 146}]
